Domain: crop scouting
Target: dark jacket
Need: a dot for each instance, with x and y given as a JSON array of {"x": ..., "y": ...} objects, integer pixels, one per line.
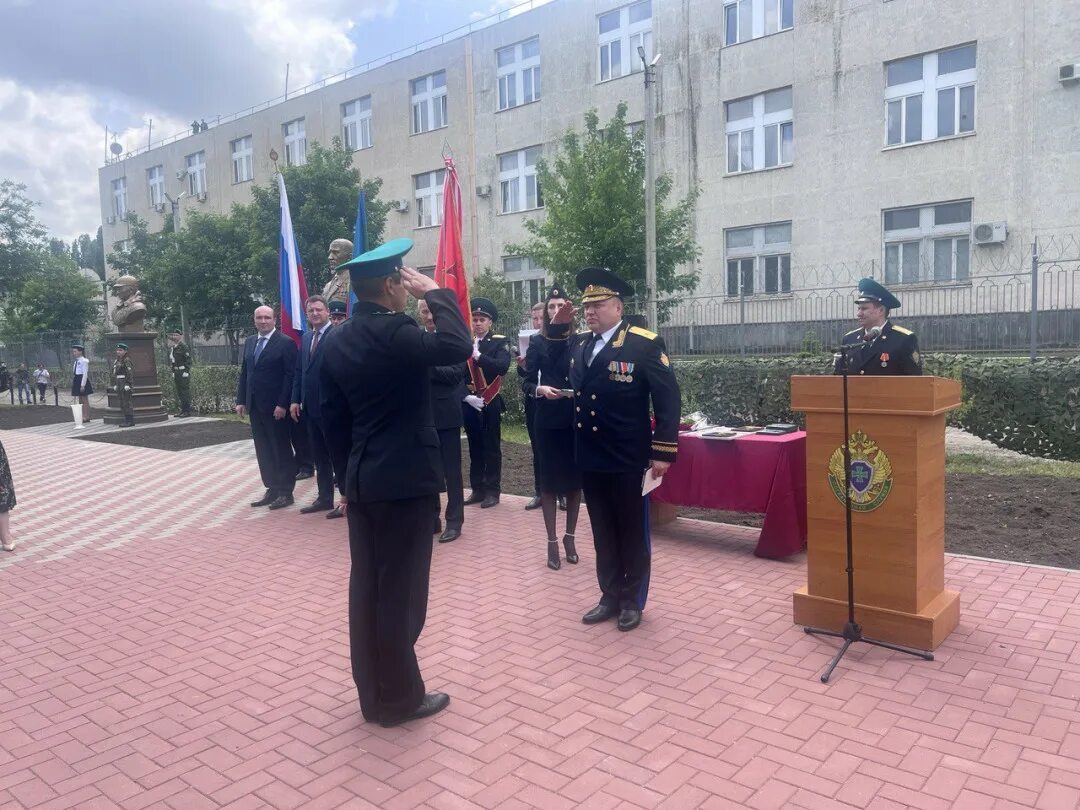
[
  {"x": 494, "y": 362},
  {"x": 447, "y": 393},
  {"x": 895, "y": 352},
  {"x": 376, "y": 398},
  {"x": 612, "y": 427},
  {"x": 305, "y": 387},
  {"x": 267, "y": 384},
  {"x": 550, "y": 358},
  {"x": 528, "y": 381}
]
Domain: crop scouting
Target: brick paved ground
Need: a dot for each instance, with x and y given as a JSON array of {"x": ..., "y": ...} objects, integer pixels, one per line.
[{"x": 164, "y": 645}]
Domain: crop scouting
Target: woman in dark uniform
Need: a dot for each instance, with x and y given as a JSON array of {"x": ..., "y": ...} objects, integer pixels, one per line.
[
  {"x": 81, "y": 389},
  {"x": 548, "y": 362},
  {"x": 7, "y": 502}
]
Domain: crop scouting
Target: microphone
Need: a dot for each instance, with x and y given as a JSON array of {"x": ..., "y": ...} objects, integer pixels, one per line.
[{"x": 875, "y": 332}]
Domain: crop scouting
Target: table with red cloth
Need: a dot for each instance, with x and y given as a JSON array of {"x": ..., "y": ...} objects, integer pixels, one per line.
[{"x": 750, "y": 473}]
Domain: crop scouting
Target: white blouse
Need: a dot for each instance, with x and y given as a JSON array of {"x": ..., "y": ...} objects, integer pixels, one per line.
[{"x": 82, "y": 366}]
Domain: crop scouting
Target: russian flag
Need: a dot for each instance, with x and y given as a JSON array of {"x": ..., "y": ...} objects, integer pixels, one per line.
[{"x": 291, "y": 275}]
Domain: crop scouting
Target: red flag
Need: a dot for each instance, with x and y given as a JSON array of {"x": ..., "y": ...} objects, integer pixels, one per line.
[{"x": 450, "y": 269}]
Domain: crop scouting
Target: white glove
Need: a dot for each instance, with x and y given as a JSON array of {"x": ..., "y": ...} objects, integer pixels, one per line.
[
  {"x": 475, "y": 401},
  {"x": 185, "y": 374},
  {"x": 476, "y": 349},
  {"x": 127, "y": 387}
]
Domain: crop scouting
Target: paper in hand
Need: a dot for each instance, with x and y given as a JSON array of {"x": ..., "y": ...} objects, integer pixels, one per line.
[{"x": 648, "y": 483}]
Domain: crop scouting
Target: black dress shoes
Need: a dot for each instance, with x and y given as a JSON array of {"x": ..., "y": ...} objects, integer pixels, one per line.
[
  {"x": 303, "y": 475},
  {"x": 334, "y": 513},
  {"x": 600, "y": 613},
  {"x": 450, "y": 535},
  {"x": 474, "y": 497},
  {"x": 282, "y": 501},
  {"x": 490, "y": 501},
  {"x": 534, "y": 503},
  {"x": 629, "y": 618},
  {"x": 266, "y": 499},
  {"x": 317, "y": 506},
  {"x": 433, "y": 703},
  {"x": 438, "y": 527}
]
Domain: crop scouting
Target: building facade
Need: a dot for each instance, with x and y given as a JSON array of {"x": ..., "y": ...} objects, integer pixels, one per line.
[{"x": 829, "y": 139}]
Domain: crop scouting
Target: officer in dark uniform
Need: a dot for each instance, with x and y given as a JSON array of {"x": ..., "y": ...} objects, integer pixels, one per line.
[
  {"x": 483, "y": 408},
  {"x": 338, "y": 312},
  {"x": 376, "y": 407},
  {"x": 528, "y": 394},
  {"x": 878, "y": 346},
  {"x": 615, "y": 370},
  {"x": 123, "y": 381},
  {"x": 180, "y": 361}
]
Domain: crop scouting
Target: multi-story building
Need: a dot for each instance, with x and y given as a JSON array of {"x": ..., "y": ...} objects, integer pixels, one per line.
[{"x": 876, "y": 136}]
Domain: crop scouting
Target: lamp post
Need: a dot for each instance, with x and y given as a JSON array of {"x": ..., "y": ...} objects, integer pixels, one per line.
[{"x": 650, "y": 186}]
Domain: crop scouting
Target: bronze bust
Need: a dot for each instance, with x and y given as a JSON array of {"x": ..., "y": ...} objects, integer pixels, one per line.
[
  {"x": 128, "y": 315},
  {"x": 337, "y": 288}
]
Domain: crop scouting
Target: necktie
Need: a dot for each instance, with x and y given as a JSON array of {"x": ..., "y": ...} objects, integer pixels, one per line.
[
  {"x": 259, "y": 347},
  {"x": 314, "y": 343},
  {"x": 595, "y": 345}
]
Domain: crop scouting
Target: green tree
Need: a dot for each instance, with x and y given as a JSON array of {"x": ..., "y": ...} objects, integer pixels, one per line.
[
  {"x": 22, "y": 237},
  {"x": 89, "y": 252},
  {"x": 513, "y": 312},
  {"x": 322, "y": 198},
  {"x": 594, "y": 212},
  {"x": 56, "y": 297},
  {"x": 145, "y": 256}
]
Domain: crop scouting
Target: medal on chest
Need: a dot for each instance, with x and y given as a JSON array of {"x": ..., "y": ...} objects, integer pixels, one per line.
[{"x": 621, "y": 372}]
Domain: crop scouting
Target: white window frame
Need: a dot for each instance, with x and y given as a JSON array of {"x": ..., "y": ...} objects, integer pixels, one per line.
[
  {"x": 294, "y": 135},
  {"x": 155, "y": 182},
  {"x": 243, "y": 159},
  {"x": 754, "y": 131},
  {"x": 429, "y": 198},
  {"x": 519, "y": 79},
  {"x": 755, "y": 261},
  {"x": 927, "y": 88},
  {"x": 519, "y": 183},
  {"x": 921, "y": 244},
  {"x": 119, "y": 197},
  {"x": 195, "y": 163},
  {"x": 525, "y": 280},
  {"x": 754, "y": 19},
  {"x": 628, "y": 35},
  {"x": 356, "y": 127},
  {"x": 429, "y": 105}
]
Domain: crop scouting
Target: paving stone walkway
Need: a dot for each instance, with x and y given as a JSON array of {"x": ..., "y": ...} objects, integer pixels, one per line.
[{"x": 164, "y": 645}]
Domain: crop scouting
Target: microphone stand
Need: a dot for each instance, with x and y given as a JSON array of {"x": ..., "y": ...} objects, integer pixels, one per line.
[{"x": 852, "y": 631}]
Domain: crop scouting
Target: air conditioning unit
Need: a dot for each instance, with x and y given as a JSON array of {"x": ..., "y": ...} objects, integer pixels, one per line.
[
  {"x": 401, "y": 206},
  {"x": 1068, "y": 74},
  {"x": 202, "y": 196},
  {"x": 110, "y": 220},
  {"x": 483, "y": 191},
  {"x": 990, "y": 233}
]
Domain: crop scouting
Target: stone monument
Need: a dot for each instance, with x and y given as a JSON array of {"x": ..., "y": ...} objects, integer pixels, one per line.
[
  {"x": 337, "y": 288},
  {"x": 128, "y": 316}
]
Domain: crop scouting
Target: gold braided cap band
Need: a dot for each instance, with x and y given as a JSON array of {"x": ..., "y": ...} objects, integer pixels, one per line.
[{"x": 594, "y": 293}]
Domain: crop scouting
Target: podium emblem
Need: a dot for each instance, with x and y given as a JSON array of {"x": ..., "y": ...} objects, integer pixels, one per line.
[{"x": 871, "y": 473}]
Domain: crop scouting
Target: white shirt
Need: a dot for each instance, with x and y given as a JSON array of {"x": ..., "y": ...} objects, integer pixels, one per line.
[
  {"x": 602, "y": 340},
  {"x": 41, "y": 375}
]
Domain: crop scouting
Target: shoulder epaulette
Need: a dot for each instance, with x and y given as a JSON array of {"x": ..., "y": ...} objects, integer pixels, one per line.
[
  {"x": 645, "y": 333},
  {"x": 498, "y": 337},
  {"x": 901, "y": 330}
]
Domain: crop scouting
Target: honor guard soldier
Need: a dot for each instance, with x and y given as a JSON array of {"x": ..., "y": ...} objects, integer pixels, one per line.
[
  {"x": 376, "y": 408},
  {"x": 615, "y": 370},
  {"x": 483, "y": 408},
  {"x": 180, "y": 361},
  {"x": 123, "y": 378},
  {"x": 339, "y": 312},
  {"x": 878, "y": 346}
]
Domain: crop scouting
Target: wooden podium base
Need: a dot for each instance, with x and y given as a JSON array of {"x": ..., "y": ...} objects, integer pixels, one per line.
[{"x": 924, "y": 630}]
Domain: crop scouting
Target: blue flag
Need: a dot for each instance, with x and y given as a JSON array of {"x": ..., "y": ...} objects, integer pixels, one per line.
[{"x": 359, "y": 237}]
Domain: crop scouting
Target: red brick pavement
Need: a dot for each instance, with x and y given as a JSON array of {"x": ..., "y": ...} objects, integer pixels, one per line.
[{"x": 163, "y": 645}]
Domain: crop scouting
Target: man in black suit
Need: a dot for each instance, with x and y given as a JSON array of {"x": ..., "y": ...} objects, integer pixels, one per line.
[
  {"x": 263, "y": 392},
  {"x": 306, "y": 401},
  {"x": 376, "y": 406},
  {"x": 447, "y": 393},
  {"x": 483, "y": 407}
]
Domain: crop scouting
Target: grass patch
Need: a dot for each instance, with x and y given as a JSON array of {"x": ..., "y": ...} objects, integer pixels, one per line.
[
  {"x": 515, "y": 433},
  {"x": 990, "y": 465}
]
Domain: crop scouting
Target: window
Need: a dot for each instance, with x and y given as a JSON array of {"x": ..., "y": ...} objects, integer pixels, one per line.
[
  {"x": 295, "y": 142},
  {"x": 930, "y": 243},
  {"x": 155, "y": 179},
  {"x": 356, "y": 124},
  {"x": 758, "y": 259},
  {"x": 518, "y": 182},
  {"x": 196, "y": 173},
  {"x": 749, "y": 19},
  {"x": 429, "y": 199},
  {"x": 242, "y": 155},
  {"x": 760, "y": 133},
  {"x": 525, "y": 280},
  {"x": 518, "y": 69},
  {"x": 620, "y": 32},
  {"x": 930, "y": 96},
  {"x": 429, "y": 102},
  {"x": 119, "y": 197}
]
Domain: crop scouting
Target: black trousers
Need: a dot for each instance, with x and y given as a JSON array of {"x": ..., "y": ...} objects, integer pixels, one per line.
[
  {"x": 484, "y": 429},
  {"x": 530, "y": 426},
  {"x": 301, "y": 444},
  {"x": 450, "y": 447},
  {"x": 619, "y": 515},
  {"x": 320, "y": 453},
  {"x": 273, "y": 451},
  {"x": 390, "y": 544}
]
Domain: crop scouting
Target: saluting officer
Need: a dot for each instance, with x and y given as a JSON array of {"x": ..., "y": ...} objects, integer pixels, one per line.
[
  {"x": 180, "y": 361},
  {"x": 483, "y": 408},
  {"x": 376, "y": 408},
  {"x": 615, "y": 370},
  {"x": 878, "y": 346},
  {"x": 123, "y": 378}
]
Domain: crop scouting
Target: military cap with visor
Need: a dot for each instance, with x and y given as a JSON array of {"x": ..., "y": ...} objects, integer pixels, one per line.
[
  {"x": 600, "y": 284},
  {"x": 871, "y": 292}
]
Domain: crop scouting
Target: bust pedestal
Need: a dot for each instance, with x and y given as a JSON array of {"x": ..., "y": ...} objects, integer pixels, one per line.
[{"x": 146, "y": 393}]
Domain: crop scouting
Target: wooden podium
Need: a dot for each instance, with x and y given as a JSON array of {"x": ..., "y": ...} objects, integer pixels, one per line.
[{"x": 898, "y": 525}]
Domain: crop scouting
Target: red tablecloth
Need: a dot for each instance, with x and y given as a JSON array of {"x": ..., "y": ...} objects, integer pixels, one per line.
[{"x": 752, "y": 473}]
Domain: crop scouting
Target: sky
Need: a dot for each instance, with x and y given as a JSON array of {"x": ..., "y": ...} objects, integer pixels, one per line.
[{"x": 69, "y": 69}]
